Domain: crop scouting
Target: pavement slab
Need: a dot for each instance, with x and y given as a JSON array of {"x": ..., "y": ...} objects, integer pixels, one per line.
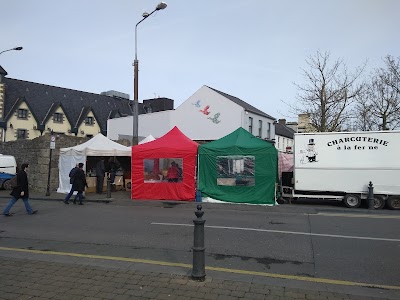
[{"x": 28, "y": 278}]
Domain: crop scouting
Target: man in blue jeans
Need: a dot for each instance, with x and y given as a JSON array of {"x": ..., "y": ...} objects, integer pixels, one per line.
[{"x": 20, "y": 191}]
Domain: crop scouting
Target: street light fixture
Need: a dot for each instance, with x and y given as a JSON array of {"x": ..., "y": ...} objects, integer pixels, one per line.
[
  {"x": 16, "y": 48},
  {"x": 135, "y": 106}
]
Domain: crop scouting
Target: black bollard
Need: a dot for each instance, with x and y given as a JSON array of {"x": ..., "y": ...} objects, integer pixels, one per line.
[
  {"x": 198, "y": 270},
  {"x": 370, "y": 196},
  {"x": 108, "y": 187}
]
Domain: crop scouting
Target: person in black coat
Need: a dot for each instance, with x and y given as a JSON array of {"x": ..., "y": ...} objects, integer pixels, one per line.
[
  {"x": 71, "y": 181},
  {"x": 20, "y": 191},
  {"x": 78, "y": 184}
]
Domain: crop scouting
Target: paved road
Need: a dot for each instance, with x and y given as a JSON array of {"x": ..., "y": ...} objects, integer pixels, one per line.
[{"x": 300, "y": 243}]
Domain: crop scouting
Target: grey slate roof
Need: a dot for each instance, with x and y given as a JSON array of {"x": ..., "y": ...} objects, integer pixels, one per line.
[
  {"x": 283, "y": 130},
  {"x": 243, "y": 104},
  {"x": 40, "y": 98}
]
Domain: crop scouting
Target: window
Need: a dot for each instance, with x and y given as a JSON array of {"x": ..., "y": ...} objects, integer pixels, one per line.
[
  {"x": 268, "y": 130},
  {"x": 156, "y": 170},
  {"x": 260, "y": 128},
  {"x": 89, "y": 121},
  {"x": 279, "y": 142},
  {"x": 235, "y": 170},
  {"x": 250, "y": 124},
  {"x": 58, "y": 117},
  {"x": 22, "y": 113},
  {"x": 22, "y": 134}
]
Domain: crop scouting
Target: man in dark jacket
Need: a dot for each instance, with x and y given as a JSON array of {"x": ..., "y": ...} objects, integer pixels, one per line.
[
  {"x": 71, "y": 181},
  {"x": 20, "y": 191},
  {"x": 79, "y": 183}
]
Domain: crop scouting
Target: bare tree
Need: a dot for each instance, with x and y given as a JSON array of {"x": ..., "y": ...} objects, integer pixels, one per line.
[
  {"x": 382, "y": 96},
  {"x": 328, "y": 92},
  {"x": 364, "y": 120},
  {"x": 393, "y": 67}
]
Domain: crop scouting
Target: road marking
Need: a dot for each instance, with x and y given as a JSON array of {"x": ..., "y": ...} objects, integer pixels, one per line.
[
  {"x": 188, "y": 266},
  {"x": 285, "y": 232},
  {"x": 355, "y": 216}
]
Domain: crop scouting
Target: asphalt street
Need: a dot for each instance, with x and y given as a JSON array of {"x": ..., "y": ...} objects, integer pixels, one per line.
[{"x": 296, "y": 241}]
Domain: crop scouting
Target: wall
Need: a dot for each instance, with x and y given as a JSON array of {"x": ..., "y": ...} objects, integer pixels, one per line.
[
  {"x": 282, "y": 142},
  {"x": 265, "y": 121},
  {"x": 36, "y": 152},
  {"x": 86, "y": 129},
  {"x": 28, "y": 124},
  {"x": 157, "y": 124},
  {"x": 62, "y": 127},
  {"x": 207, "y": 115},
  {"x": 304, "y": 124}
]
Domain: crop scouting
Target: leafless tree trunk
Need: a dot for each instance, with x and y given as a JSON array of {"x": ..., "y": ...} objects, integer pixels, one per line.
[
  {"x": 328, "y": 92},
  {"x": 381, "y": 102}
]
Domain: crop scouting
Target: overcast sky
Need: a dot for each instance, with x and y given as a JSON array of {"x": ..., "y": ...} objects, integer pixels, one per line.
[{"x": 251, "y": 49}]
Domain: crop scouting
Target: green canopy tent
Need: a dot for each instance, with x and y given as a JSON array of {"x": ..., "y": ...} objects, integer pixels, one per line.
[{"x": 238, "y": 168}]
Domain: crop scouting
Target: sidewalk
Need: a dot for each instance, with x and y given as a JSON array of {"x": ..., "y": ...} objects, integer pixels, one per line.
[{"x": 30, "y": 278}]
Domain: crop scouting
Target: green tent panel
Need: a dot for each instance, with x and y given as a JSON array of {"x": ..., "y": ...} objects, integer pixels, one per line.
[{"x": 238, "y": 168}]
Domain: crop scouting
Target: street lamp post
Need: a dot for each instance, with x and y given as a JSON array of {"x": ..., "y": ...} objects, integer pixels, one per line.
[
  {"x": 16, "y": 48},
  {"x": 135, "y": 106}
]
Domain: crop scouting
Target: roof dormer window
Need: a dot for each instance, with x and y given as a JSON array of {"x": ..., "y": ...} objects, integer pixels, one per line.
[
  {"x": 89, "y": 121},
  {"x": 58, "y": 117},
  {"x": 22, "y": 113}
]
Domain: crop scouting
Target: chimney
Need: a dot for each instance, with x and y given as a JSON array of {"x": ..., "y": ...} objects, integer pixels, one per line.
[{"x": 282, "y": 122}]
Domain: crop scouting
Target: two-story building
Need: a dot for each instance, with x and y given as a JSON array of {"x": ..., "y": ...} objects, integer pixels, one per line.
[
  {"x": 207, "y": 115},
  {"x": 284, "y": 137}
]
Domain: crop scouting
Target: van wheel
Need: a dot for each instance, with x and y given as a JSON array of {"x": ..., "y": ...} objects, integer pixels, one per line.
[
  {"x": 6, "y": 185},
  {"x": 379, "y": 202},
  {"x": 393, "y": 202},
  {"x": 352, "y": 200}
]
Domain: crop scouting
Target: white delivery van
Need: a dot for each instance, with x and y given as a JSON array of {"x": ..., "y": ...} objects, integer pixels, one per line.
[
  {"x": 340, "y": 165},
  {"x": 8, "y": 169}
]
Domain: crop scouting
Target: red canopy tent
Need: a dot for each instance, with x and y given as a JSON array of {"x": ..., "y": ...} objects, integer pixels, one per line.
[{"x": 150, "y": 161}]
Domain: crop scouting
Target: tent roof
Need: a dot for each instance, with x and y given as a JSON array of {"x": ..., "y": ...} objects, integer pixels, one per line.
[
  {"x": 147, "y": 139},
  {"x": 99, "y": 145},
  {"x": 174, "y": 139},
  {"x": 240, "y": 138}
]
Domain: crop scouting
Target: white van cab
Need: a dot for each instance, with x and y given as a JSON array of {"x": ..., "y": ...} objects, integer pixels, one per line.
[{"x": 8, "y": 169}]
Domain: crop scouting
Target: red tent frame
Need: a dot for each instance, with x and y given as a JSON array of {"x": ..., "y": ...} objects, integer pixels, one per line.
[{"x": 174, "y": 144}]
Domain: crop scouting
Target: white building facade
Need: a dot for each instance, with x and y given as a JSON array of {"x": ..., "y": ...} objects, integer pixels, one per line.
[
  {"x": 207, "y": 115},
  {"x": 284, "y": 137}
]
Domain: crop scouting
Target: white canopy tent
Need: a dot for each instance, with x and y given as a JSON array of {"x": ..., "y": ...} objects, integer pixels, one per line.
[
  {"x": 147, "y": 139},
  {"x": 99, "y": 145}
]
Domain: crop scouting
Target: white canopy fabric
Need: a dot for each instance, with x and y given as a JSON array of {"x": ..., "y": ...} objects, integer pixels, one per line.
[
  {"x": 99, "y": 145},
  {"x": 147, "y": 139}
]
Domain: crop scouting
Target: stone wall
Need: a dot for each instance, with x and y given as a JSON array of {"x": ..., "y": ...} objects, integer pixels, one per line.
[{"x": 36, "y": 152}]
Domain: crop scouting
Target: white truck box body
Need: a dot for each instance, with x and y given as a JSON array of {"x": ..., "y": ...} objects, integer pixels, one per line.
[
  {"x": 347, "y": 162},
  {"x": 8, "y": 164}
]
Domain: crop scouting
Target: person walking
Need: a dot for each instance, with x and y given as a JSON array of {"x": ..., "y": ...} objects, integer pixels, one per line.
[
  {"x": 78, "y": 184},
  {"x": 100, "y": 172},
  {"x": 20, "y": 191},
  {"x": 71, "y": 181}
]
